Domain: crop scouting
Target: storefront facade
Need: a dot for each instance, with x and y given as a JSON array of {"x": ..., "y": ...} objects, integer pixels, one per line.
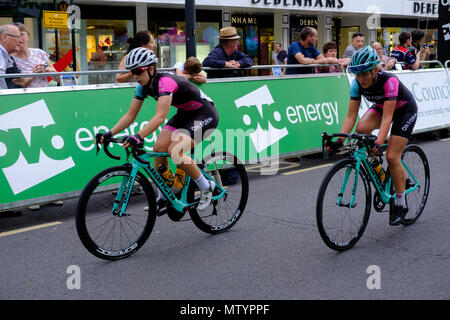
[{"x": 106, "y": 25}]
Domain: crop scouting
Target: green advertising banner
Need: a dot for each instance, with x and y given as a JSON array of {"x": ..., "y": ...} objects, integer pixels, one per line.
[{"x": 47, "y": 149}]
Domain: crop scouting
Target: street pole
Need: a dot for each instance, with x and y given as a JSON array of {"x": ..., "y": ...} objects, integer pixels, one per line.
[
  {"x": 190, "y": 17},
  {"x": 74, "y": 52}
]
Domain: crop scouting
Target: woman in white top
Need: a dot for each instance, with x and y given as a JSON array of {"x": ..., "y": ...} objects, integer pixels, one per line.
[{"x": 31, "y": 60}]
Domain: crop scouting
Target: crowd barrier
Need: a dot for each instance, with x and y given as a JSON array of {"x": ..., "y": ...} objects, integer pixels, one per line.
[{"x": 47, "y": 149}]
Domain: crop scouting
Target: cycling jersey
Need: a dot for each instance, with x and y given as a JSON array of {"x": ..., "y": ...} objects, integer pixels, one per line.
[
  {"x": 196, "y": 111},
  {"x": 387, "y": 87},
  {"x": 184, "y": 94},
  {"x": 403, "y": 55}
]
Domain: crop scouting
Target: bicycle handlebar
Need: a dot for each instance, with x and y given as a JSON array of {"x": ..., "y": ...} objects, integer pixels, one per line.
[
  {"x": 135, "y": 152},
  {"x": 367, "y": 139}
]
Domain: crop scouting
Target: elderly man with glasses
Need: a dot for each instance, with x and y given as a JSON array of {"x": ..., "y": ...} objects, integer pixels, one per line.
[{"x": 10, "y": 41}]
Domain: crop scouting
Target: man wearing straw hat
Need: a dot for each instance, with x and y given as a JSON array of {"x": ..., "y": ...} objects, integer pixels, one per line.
[{"x": 226, "y": 55}]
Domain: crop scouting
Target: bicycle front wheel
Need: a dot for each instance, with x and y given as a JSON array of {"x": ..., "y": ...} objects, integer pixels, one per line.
[
  {"x": 102, "y": 228},
  {"x": 341, "y": 215},
  {"x": 222, "y": 214},
  {"x": 417, "y": 163}
]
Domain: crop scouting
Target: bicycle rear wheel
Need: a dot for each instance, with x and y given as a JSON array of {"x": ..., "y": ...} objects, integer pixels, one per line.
[
  {"x": 417, "y": 162},
  {"x": 340, "y": 225},
  {"x": 228, "y": 172},
  {"x": 100, "y": 226}
]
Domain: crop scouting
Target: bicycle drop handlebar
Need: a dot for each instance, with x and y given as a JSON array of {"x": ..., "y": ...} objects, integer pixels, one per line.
[
  {"x": 135, "y": 152},
  {"x": 367, "y": 139}
]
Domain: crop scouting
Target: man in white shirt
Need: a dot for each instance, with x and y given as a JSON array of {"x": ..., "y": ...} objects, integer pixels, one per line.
[{"x": 10, "y": 40}]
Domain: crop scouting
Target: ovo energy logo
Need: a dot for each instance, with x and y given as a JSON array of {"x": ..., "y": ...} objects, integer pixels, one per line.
[
  {"x": 30, "y": 148},
  {"x": 261, "y": 138}
]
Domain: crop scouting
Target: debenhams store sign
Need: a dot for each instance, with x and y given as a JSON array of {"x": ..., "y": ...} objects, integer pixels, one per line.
[{"x": 310, "y": 4}]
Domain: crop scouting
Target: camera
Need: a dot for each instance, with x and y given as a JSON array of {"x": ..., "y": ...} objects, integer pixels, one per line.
[{"x": 428, "y": 45}]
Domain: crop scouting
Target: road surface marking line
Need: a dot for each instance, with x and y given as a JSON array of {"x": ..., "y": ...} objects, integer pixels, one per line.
[
  {"x": 307, "y": 169},
  {"x": 40, "y": 226}
]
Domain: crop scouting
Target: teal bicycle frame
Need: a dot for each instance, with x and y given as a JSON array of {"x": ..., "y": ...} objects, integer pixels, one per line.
[
  {"x": 360, "y": 156},
  {"x": 180, "y": 205}
]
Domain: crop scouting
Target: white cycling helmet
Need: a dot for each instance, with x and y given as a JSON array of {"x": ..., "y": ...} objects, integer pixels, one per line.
[{"x": 140, "y": 57}]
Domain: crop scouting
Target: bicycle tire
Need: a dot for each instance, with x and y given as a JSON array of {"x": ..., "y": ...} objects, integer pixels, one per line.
[
  {"x": 416, "y": 160},
  {"x": 95, "y": 205},
  {"x": 327, "y": 201},
  {"x": 224, "y": 207}
]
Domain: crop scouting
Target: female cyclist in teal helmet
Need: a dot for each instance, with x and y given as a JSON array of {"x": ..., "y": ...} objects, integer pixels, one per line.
[{"x": 393, "y": 104}]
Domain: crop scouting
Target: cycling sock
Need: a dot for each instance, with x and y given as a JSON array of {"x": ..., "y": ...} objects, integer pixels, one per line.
[
  {"x": 202, "y": 182},
  {"x": 400, "y": 199},
  {"x": 161, "y": 195}
]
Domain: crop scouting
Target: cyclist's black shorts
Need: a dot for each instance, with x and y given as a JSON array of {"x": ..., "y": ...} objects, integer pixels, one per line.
[
  {"x": 198, "y": 123},
  {"x": 403, "y": 120}
]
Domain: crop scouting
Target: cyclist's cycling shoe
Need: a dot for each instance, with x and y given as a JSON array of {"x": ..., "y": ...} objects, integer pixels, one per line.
[
  {"x": 206, "y": 196},
  {"x": 397, "y": 214}
]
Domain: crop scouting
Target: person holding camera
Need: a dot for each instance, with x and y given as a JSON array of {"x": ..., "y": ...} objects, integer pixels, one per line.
[
  {"x": 417, "y": 37},
  {"x": 31, "y": 60}
]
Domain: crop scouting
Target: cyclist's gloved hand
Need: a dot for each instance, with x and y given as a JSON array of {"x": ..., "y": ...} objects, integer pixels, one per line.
[
  {"x": 100, "y": 137},
  {"x": 377, "y": 149},
  {"x": 133, "y": 141},
  {"x": 335, "y": 145}
]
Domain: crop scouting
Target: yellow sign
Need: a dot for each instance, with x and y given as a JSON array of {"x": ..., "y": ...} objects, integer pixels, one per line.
[{"x": 55, "y": 19}]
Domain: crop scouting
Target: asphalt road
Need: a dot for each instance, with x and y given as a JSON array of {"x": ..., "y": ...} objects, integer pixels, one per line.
[{"x": 273, "y": 253}]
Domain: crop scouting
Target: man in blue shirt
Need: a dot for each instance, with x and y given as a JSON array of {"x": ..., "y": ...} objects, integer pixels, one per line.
[
  {"x": 304, "y": 52},
  {"x": 226, "y": 55}
]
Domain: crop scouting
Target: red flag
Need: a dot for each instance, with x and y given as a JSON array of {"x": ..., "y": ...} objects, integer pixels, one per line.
[{"x": 62, "y": 63}]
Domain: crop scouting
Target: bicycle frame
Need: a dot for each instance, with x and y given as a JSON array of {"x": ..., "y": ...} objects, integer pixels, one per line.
[
  {"x": 360, "y": 157},
  {"x": 179, "y": 205}
]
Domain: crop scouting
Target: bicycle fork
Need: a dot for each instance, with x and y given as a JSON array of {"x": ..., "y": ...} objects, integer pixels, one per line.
[
  {"x": 352, "y": 203},
  {"x": 123, "y": 197}
]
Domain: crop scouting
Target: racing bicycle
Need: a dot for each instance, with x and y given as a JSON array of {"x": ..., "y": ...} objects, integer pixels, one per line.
[
  {"x": 117, "y": 209},
  {"x": 345, "y": 195}
]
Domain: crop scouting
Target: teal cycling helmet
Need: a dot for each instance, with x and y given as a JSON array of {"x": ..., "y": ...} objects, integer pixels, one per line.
[{"x": 364, "y": 59}]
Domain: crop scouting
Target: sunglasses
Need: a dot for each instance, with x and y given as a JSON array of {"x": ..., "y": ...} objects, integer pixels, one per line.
[{"x": 138, "y": 71}]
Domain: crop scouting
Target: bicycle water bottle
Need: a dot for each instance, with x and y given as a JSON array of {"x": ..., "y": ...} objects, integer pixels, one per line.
[
  {"x": 166, "y": 174},
  {"x": 376, "y": 164},
  {"x": 178, "y": 182}
]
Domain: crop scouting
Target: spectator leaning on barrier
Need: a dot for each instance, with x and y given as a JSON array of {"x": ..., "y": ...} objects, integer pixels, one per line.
[
  {"x": 279, "y": 57},
  {"x": 304, "y": 52},
  {"x": 357, "y": 43},
  {"x": 330, "y": 51},
  {"x": 31, "y": 60},
  {"x": 142, "y": 39},
  {"x": 227, "y": 55},
  {"x": 191, "y": 70},
  {"x": 402, "y": 54},
  {"x": 387, "y": 63},
  {"x": 10, "y": 40}
]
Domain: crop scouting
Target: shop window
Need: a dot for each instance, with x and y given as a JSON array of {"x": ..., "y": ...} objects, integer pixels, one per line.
[
  {"x": 171, "y": 41},
  {"x": 106, "y": 42}
]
